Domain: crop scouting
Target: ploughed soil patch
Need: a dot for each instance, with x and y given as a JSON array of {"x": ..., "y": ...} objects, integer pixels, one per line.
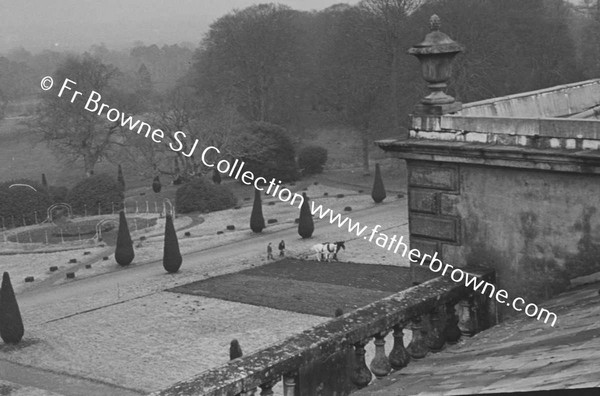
[{"x": 309, "y": 287}]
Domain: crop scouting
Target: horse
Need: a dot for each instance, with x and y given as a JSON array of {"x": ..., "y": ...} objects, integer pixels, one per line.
[{"x": 329, "y": 250}]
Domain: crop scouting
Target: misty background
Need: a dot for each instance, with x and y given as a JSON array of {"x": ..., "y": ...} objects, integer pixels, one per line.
[
  {"x": 75, "y": 25},
  {"x": 319, "y": 73}
]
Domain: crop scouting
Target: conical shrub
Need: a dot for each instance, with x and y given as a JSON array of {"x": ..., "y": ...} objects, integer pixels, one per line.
[
  {"x": 306, "y": 226},
  {"x": 257, "y": 221},
  {"x": 216, "y": 177},
  {"x": 156, "y": 186},
  {"x": 235, "y": 350},
  {"x": 120, "y": 178},
  {"x": 44, "y": 181},
  {"x": 378, "y": 193},
  {"x": 11, "y": 324},
  {"x": 171, "y": 255},
  {"x": 124, "y": 251}
]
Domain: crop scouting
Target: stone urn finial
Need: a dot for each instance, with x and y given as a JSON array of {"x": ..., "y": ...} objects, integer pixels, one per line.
[
  {"x": 435, "y": 22},
  {"x": 436, "y": 54}
]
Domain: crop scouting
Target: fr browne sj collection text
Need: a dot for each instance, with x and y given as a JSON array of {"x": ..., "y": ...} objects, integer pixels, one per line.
[{"x": 94, "y": 105}]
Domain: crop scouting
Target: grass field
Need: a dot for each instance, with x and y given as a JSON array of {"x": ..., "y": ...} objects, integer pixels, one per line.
[{"x": 24, "y": 155}]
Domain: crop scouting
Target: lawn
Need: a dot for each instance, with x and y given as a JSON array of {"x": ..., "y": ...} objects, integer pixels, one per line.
[{"x": 24, "y": 155}]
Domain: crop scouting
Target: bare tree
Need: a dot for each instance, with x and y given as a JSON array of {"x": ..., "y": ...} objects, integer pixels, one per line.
[
  {"x": 250, "y": 59},
  {"x": 507, "y": 44},
  {"x": 354, "y": 73},
  {"x": 389, "y": 25},
  {"x": 73, "y": 132},
  {"x": 181, "y": 110},
  {"x": 588, "y": 36}
]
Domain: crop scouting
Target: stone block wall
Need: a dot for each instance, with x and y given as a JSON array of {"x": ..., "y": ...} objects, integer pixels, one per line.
[
  {"x": 537, "y": 229},
  {"x": 510, "y": 183},
  {"x": 433, "y": 220}
]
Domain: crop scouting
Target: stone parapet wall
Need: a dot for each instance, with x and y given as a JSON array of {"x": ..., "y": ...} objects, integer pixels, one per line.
[
  {"x": 540, "y": 133},
  {"x": 329, "y": 359},
  {"x": 560, "y": 101}
]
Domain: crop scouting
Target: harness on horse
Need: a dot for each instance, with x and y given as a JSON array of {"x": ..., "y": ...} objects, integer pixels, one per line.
[{"x": 328, "y": 249}]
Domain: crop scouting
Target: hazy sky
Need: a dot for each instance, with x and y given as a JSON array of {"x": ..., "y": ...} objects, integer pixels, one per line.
[{"x": 77, "y": 24}]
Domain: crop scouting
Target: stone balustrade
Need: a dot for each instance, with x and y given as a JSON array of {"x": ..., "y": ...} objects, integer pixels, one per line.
[
  {"x": 330, "y": 358},
  {"x": 559, "y": 118},
  {"x": 537, "y": 133},
  {"x": 572, "y": 100}
]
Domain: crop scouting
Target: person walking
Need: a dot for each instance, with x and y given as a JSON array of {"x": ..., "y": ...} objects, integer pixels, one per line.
[
  {"x": 270, "y": 252},
  {"x": 281, "y": 248}
]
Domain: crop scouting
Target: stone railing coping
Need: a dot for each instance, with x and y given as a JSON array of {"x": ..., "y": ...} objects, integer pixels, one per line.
[
  {"x": 248, "y": 372},
  {"x": 544, "y": 127},
  {"x": 558, "y": 101},
  {"x": 524, "y": 157}
]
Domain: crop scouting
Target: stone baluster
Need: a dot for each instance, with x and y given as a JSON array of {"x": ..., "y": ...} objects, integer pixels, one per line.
[
  {"x": 380, "y": 365},
  {"x": 435, "y": 334},
  {"x": 267, "y": 387},
  {"x": 361, "y": 376},
  {"x": 289, "y": 385},
  {"x": 418, "y": 348},
  {"x": 467, "y": 317},
  {"x": 398, "y": 357},
  {"x": 451, "y": 332}
]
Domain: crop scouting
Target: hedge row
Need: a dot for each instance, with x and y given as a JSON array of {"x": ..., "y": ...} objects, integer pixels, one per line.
[{"x": 198, "y": 195}]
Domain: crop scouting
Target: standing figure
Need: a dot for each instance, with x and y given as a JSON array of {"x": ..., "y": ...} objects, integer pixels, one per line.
[
  {"x": 270, "y": 252},
  {"x": 281, "y": 248}
]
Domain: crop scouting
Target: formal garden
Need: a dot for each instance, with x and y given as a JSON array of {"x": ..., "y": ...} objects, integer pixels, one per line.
[{"x": 107, "y": 230}]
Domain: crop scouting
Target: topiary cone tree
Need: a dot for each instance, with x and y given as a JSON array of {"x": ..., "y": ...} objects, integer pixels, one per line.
[
  {"x": 124, "y": 251},
  {"x": 216, "y": 177},
  {"x": 306, "y": 226},
  {"x": 171, "y": 255},
  {"x": 257, "y": 221},
  {"x": 44, "y": 182},
  {"x": 156, "y": 186},
  {"x": 120, "y": 178},
  {"x": 378, "y": 193},
  {"x": 235, "y": 350},
  {"x": 11, "y": 324}
]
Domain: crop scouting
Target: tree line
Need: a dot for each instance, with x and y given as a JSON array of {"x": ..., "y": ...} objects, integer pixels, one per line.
[{"x": 345, "y": 65}]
